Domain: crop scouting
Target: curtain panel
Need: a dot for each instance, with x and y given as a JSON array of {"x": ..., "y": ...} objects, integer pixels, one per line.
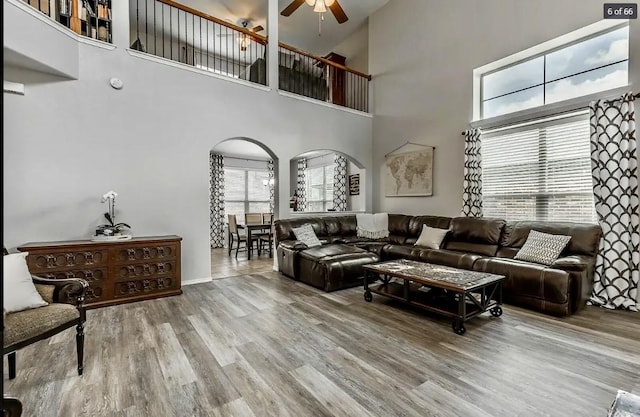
[
  {"x": 271, "y": 183},
  {"x": 614, "y": 164},
  {"x": 472, "y": 186},
  {"x": 301, "y": 187},
  {"x": 216, "y": 200},
  {"x": 340, "y": 183}
]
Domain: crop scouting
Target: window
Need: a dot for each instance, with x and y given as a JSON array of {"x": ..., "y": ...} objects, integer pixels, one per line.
[
  {"x": 319, "y": 188},
  {"x": 539, "y": 170},
  {"x": 594, "y": 63},
  {"x": 245, "y": 192}
]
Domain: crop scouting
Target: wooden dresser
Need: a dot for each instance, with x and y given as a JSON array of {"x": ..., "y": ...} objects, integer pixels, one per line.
[{"x": 117, "y": 272}]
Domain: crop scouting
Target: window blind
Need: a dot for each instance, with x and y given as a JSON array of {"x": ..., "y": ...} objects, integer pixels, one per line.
[
  {"x": 245, "y": 191},
  {"x": 539, "y": 170}
]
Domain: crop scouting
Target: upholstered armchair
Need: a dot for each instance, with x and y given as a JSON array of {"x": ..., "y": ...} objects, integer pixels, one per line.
[{"x": 65, "y": 309}]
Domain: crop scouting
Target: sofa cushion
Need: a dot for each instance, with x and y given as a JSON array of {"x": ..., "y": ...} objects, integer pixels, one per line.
[
  {"x": 347, "y": 225},
  {"x": 284, "y": 227},
  {"x": 479, "y": 235},
  {"x": 393, "y": 251},
  {"x": 585, "y": 238},
  {"x": 399, "y": 224},
  {"x": 528, "y": 279},
  {"x": 324, "y": 251},
  {"x": 24, "y": 325},
  {"x": 542, "y": 248},
  {"x": 332, "y": 226},
  {"x": 417, "y": 222},
  {"x": 449, "y": 258}
]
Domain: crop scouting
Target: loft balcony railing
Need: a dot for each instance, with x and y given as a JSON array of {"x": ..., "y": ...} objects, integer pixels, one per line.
[
  {"x": 177, "y": 32},
  {"x": 174, "y": 31},
  {"x": 322, "y": 78}
]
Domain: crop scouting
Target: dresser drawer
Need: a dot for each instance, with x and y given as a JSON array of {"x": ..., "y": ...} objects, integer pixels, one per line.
[
  {"x": 42, "y": 261},
  {"x": 144, "y": 270},
  {"x": 97, "y": 279},
  {"x": 142, "y": 287},
  {"x": 157, "y": 252}
]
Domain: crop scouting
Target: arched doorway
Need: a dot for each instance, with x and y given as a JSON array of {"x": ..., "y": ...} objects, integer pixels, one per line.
[{"x": 243, "y": 179}]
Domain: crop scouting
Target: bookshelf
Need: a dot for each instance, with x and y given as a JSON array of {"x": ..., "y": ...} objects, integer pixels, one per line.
[{"x": 91, "y": 18}]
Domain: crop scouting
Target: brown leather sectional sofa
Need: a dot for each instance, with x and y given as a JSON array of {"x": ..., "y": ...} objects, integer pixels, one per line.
[{"x": 481, "y": 244}]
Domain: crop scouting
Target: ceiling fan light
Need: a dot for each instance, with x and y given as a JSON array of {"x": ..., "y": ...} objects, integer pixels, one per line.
[
  {"x": 311, "y": 2},
  {"x": 320, "y": 7},
  {"x": 328, "y": 3}
]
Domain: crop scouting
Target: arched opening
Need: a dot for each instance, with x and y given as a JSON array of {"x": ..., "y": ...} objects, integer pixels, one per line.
[
  {"x": 326, "y": 180},
  {"x": 243, "y": 195}
]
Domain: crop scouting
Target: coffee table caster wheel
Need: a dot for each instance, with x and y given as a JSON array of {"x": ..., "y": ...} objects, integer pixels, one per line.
[
  {"x": 496, "y": 311},
  {"x": 458, "y": 328},
  {"x": 367, "y": 296}
]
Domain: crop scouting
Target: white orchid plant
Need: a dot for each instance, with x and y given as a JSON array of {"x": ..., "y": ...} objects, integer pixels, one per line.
[{"x": 113, "y": 227}]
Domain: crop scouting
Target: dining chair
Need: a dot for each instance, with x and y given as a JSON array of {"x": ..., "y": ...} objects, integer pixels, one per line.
[
  {"x": 236, "y": 236},
  {"x": 268, "y": 239},
  {"x": 252, "y": 218}
]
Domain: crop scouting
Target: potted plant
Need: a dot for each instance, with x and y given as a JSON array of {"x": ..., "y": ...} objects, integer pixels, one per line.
[{"x": 113, "y": 230}]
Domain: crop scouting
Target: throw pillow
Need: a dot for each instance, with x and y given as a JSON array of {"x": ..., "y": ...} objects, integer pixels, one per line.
[
  {"x": 431, "y": 237},
  {"x": 542, "y": 248},
  {"x": 306, "y": 235},
  {"x": 372, "y": 226},
  {"x": 19, "y": 291}
]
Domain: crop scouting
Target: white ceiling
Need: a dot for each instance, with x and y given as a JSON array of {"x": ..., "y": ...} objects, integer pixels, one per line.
[{"x": 301, "y": 28}]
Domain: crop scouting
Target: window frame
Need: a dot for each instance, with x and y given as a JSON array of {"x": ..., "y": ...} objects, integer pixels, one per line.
[
  {"x": 246, "y": 200},
  {"x": 545, "y": 48},
  {"x": 325, "y": 201}
]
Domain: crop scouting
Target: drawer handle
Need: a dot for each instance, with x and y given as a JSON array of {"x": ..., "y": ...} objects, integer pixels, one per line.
[
  {"x": 88, "y": 274},
  {"x": 161, "y": 269},
  {"x": 160, "y": 283},
  {"x": 161, "y": 251},
  {"x": 132, "y": 269},
  {"x": 146, "y": 285},
  {"x": 89, "y": 257},
  {"x": 51, "y": 261},
  {"x": 132, "y": 254},
  {"x": 146, "y": 270},
  {"x": 69, "y": 274},
  {"x": 131, "y": 287},
  {"x": 146, "y": 253},
  {"x": 71, "y": 259}
]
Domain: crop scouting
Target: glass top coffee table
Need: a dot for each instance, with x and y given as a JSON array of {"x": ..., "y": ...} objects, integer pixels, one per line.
[{"x": 455, "y": 293}]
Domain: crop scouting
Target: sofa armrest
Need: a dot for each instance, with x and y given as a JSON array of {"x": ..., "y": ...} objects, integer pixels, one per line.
[
  {"x": 580, "y": 269},
  {"x": 573, "y": 263},
  {"x": 293, "y": 245}
]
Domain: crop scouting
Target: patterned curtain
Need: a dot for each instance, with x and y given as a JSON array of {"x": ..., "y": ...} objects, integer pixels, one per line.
[
  {"x": 216, "y": 200},
  {"x": 614, "y": 166},
  {"x": 301, "y": 189},
  {"x": 340, "y": 183},
  {"x": 472, "y": 187},
  {"x": 272, "y": 183}
]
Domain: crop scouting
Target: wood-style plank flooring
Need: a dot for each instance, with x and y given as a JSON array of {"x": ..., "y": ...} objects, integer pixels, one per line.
[
  {"x": 264, "y": 345},
  {"x": 223, "y": 265}
]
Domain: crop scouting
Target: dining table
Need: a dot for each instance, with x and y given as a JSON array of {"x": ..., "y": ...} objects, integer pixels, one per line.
[{"x": 250, "y": 228}]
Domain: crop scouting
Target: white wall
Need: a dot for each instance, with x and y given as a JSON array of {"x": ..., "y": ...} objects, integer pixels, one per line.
[
  {"x": 68, "y": 142},
  {"x": 422, "y": 54}
]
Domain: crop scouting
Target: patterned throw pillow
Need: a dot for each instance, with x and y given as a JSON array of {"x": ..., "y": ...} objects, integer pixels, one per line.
[
  {"x": 306, "y": 235},
  {"x": 542, "y": 248}
]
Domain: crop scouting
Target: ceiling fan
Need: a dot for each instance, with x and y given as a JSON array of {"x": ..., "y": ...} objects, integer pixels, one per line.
[
  {"x": 243, "y": 39},
  {"x": 319, "y": 6}
]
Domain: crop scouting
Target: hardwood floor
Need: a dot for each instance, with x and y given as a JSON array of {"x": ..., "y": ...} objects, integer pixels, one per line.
[
  {"x": 264, "y": 345},
  {"x": 223, "y": 265}
]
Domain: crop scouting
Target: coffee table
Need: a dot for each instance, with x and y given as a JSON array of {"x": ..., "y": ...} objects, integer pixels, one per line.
[{"x": 451, "y": 292}]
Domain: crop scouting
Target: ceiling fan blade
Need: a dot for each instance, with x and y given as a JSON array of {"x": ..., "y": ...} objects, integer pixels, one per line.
[
  {"x": 292, "y": 7},
  {"x": 257, "y": 29},
  {"x": 337, "y": 11}
]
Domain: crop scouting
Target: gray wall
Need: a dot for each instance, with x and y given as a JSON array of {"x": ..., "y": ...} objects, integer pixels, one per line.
[
  {"x": 422, "y": 54},
  {"x": 68, "y": 142}
]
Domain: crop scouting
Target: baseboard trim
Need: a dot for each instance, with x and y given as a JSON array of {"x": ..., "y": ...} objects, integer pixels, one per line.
[{"x": 197, "y": 281}]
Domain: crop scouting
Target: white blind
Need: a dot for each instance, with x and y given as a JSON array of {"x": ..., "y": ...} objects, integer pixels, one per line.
[
  {"x": 245, "y": 191},
  {"x": 319, "y": 188},
  {"x": 539, "y": 171}
]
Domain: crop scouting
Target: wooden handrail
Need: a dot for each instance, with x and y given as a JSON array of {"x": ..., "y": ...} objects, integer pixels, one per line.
[
  {"x": 261, "y": 38},
  {"x": 321, "y": 59},
  {"x": 258, "y": 38}
]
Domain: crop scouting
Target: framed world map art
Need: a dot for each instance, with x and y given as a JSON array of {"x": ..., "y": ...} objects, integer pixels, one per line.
[{"x": 409, "y": 174}]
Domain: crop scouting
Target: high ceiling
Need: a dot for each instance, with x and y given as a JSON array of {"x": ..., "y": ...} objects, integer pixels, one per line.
[{"x": 301, "y": 28}]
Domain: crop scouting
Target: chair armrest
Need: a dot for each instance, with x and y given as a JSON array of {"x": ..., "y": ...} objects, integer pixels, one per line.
[
  {"x": 11, "y": 407},
  {"x": 293, "y": 245},
  {"x": 69, "y": 290}
]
